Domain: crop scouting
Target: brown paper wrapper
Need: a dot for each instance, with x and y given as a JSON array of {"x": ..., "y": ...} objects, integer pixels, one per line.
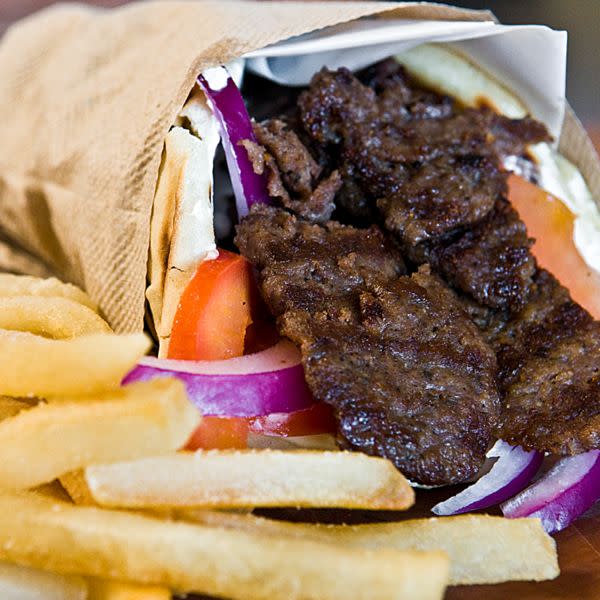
[{"x": 87, "y": 98}]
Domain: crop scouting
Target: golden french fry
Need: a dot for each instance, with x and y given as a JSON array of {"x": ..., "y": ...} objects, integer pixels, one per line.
[
  {"x": 240, "y": 478},
  {"x": 25, "y": 583},
  {"x": 218, "y": 562},
  {"x": 24, "y": 285},
  {"x": 9, "y": 407},
  {"x": 142, "y": 419},
  {"x": 76, "y": 487},
  {"x": 36, "y": 366},
  {"x": 57, "y": 318},
  {"x": 482, "y": 549},
  {"x": 103, "y": 589}
]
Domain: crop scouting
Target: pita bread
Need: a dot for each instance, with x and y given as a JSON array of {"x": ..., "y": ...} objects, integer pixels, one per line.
[{"x": 181, "y": 231}]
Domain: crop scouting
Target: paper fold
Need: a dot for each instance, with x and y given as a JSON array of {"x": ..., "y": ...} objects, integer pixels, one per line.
[{"x": 527, "y": 58}]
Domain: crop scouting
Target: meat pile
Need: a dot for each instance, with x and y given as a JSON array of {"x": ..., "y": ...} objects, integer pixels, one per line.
[
  {"x": 393, "y": 259},
  {"x": 408, "y": 373}
]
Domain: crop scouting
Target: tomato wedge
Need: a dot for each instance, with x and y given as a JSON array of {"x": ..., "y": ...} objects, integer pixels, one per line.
[
  {"x": 232, "y": 432},
  {"x": 214, "y": 311},
  {"x": 550, "y": 222},
  {"x": 220, "y": 433}
]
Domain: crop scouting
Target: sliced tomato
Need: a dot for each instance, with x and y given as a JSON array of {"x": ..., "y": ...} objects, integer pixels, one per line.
[
  {"x": 220, "y": 433},
  {"x": 232, "y": 432},
  {"x": 550, "y": 222},
  {"x": 316, "y": 419},
  {"x": 214, "y": 311}
]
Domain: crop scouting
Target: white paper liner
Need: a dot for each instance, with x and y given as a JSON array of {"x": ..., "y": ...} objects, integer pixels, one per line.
[{"x": 527, "y": 58}]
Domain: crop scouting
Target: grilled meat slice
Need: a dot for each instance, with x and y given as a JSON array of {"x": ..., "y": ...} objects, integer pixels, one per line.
[
  {"x": 442, "y": 195},
  {"x": 399, "y": 98},
  {"x": 408, "y": 374},
  {"x": 335, "y": 101},
  {"x": 549, "y": 371},
  {"x": 292, "y": 172},
  {"x": 310, "y": 266},
  {"x": 434, "y": 175},
  {"x": 491, "y": 261}
]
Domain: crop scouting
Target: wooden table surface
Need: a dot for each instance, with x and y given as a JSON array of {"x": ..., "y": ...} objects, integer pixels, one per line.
[{"x": 578, "y": 547}]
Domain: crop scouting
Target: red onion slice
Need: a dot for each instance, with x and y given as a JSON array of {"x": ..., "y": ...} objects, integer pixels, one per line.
[
  {"x": 280, "y": 356},
  {"x": 271, "y": 381},
  {"x": 227, "y": 104},
  {"x": 513, "y": 470},
  {"x": 561, "y": 495}
]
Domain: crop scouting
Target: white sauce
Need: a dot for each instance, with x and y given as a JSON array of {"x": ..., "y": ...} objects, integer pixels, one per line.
[{"x": 562, "y": 179}]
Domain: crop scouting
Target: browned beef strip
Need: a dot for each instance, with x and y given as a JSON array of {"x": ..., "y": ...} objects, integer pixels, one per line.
[
  {"x": 310, "y": 266},
  {"x": 298, "y": 168},
  {"x": 387, "y": 156},
  {"x": 549, "y": 371},
  {"x": 512, "y": 136},
  {"x": 491, "y": 261},
  {"x": 409, "y": 376},
  {"x": 470, "y": 132},
  {"x": 338, "y": 109},
  {"x": 399, "y": 98},
  {"x": 292, "y": 172},
  {"x": 335, "y": 101},
  {"x": 452, "y": 192},
  {"x": 434, "y": 175}
]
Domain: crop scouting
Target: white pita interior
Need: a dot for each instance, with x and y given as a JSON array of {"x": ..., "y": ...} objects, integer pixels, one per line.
[{"x": 182, "y": 232}]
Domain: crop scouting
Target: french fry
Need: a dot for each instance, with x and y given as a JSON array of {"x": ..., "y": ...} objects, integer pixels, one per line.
[
  {"x": 58, "y": 318},
  {"x": 25, "y": 583},
  {"x": 9, "y": 407},
  {"x": 142, "y": 419},
  {"x": 36, "y": 366},
  {"x": 218, "y": 562},
  {"x": 237, "y": 479},
  {"x": 103, "y": 589},
  {"x": 76, "y": 487},
  {"x": 24, "y": 285},
  {"x": 482, "y": 549}
]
